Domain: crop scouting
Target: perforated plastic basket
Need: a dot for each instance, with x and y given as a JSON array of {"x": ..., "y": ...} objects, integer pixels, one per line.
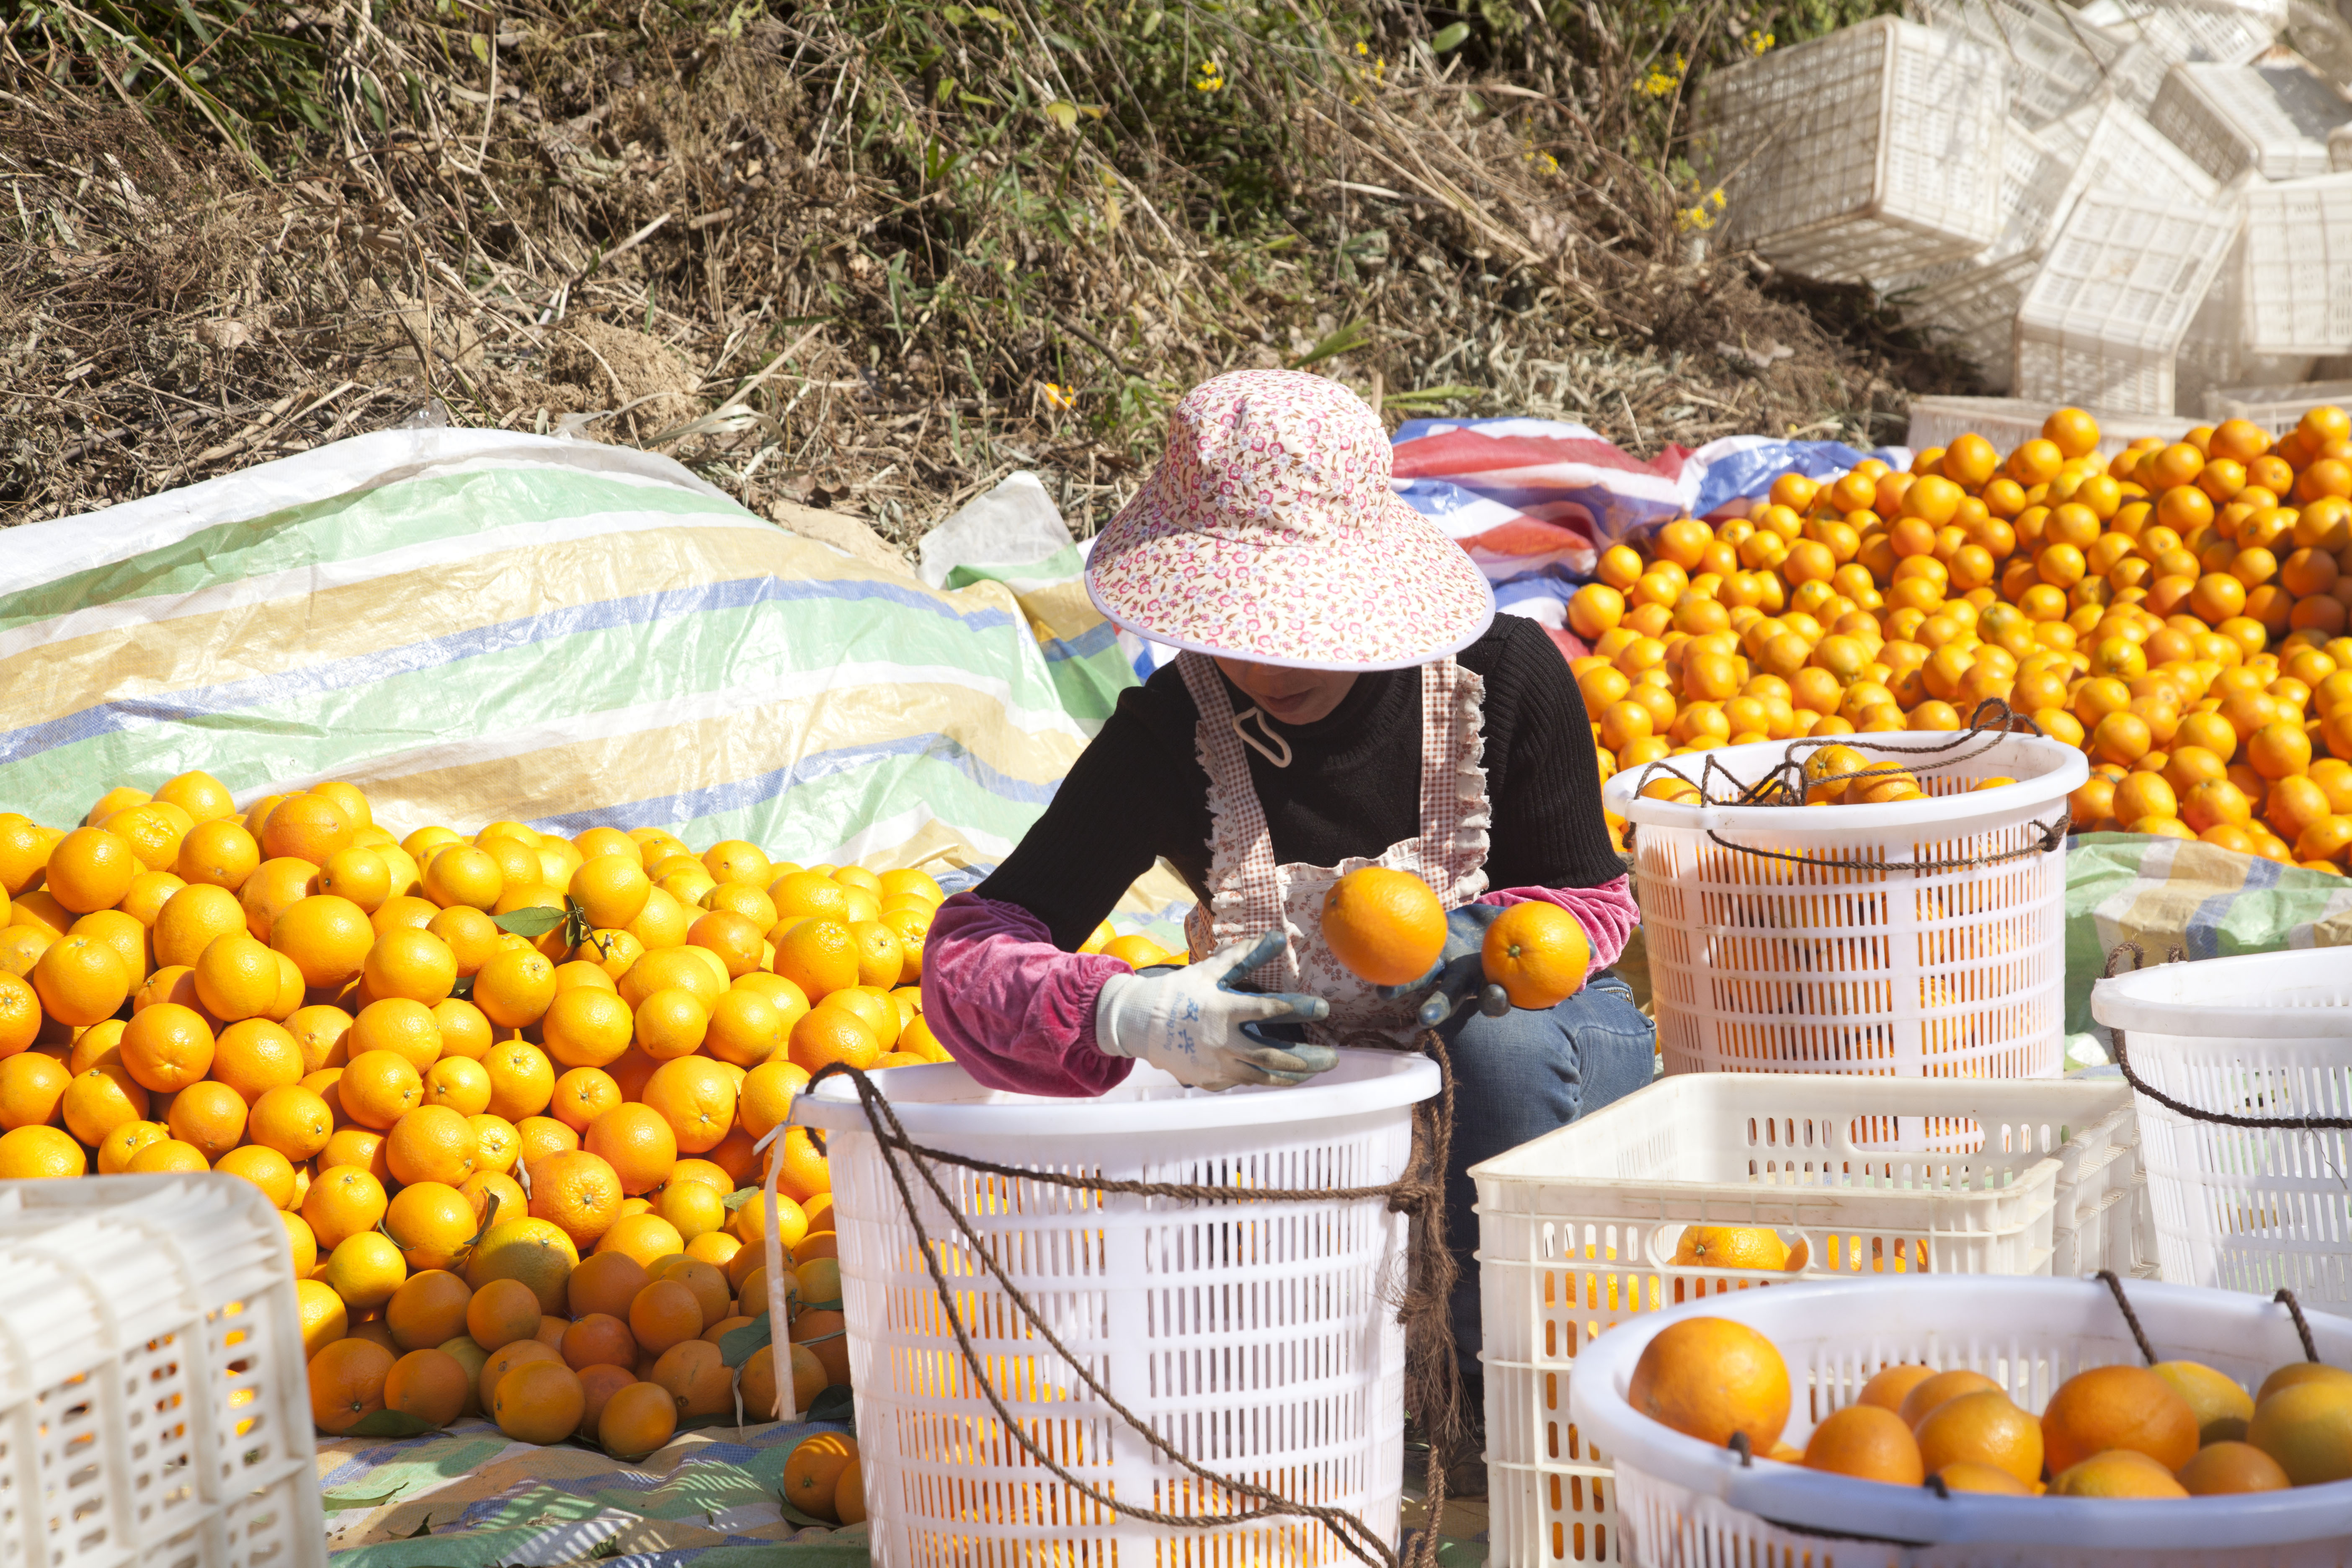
[
  {"x": 2051, "y": 58},
  {"x": 2292, "y": 278},
  {"x": 2277, "y": 409},
  {"x": 2102, "y": 320},
  {"x": 155, "y": 1409},
  {"x": 2271, "y": 118},
  {"x": 1873, "y": 152},
  {"x": 1261, "y": 1340},
  {"x": 2007, "y": 422},
  {"x": 1840, "y": 960},
  {"x": 1576, "y": 1229},
  {"x": 2173, "y": 31},
  {"x": 2260, "y": 1037},
  {"x": 1688, "y": 1502}
]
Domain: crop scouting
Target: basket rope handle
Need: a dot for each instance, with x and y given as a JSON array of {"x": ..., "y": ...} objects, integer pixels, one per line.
[
  {"x": 2197, "y": 1114},
  {"x": 2285, "y": 1298}
]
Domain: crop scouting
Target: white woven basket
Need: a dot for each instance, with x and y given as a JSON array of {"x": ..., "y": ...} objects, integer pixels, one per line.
[{"x": 1794, "y": 940}]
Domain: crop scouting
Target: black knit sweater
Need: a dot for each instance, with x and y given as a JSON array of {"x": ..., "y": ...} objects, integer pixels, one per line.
[{"x": 1353, "y": 787}]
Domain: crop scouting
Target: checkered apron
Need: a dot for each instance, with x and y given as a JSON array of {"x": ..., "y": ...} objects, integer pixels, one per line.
[{"x": 1250, "y": 893}]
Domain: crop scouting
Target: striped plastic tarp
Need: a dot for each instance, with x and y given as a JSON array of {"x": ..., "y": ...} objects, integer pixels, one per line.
[
  {"x": 2208, "y": 902},
  {"x": 477, "y": 625}
]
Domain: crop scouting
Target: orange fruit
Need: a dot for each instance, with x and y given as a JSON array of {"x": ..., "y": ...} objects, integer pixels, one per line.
[
  {"x": 2306, "y": 1428},
  {"x": 80, "y": 979},
  {"x": 343, "y": 1201},
  {"x": 497, "y": 1363},
  {"x": 97, "y": 1102},
  {"x": 164, "y": 1157},
  {"x": 265, "y": 1168},
  {"x": 1983, "y": 1429},
  {"x": 665, "y": 1313},
  {"x": 428, "y": 1384},
  {"x": 648, "y": 1237},
  {"x": 2118, "y": 1408},
  {"x": 379, "y": 1088},
  {"x": 1868, "y": 1441},
  {"x": 598, "y": 1339},
  {"x": 469, "y": 935},
  {"x": 1931, "y": 1392},
  {"x": 237, "y": 977},
  {"x": 292, "y": 1120},
  {"x": 697, "y": 1379},
  {"x": 804, "y": 1173},
  {"x": 431, "y": 1143},
  {"x": 586, "y": 1027},
  {"x": 605, "y": 1284},
  {"x": 766, "y": 1097},
  {"x": 637, "y": 1420},
  {"x": 663, "y": 922},
  {"x": 746, "y": 1028},
  {"x": 255, "y": 1056},
  {"x": 670, "y": 1023},
  {"x": 191, "y": 919},
  {"x": 116, "y": 1150},
  {"x": 1709, "y": 1377},
  {"x": 365, "y": 1269},
  {"x": 496, "y": 1196},
  {"x": 464, "y": 875},
  {"x": 464, "y": 1031},
  {"x": 358, "y": 874},
  {"x": 218, "y": 854},
  {"x": 2220, "y": 1406},
  {"x": 32, "y": 1088},
  {"x": 692, "y": 1208},
  {"x": 829, "y": 1035},
  {"x": 20, "y": 1014},
  {"x": 578, "y": 1192},
  {"x": 323, "y": 1033},
  {"x": 529, "y": 1251},
  {"x": 409, "y": 964},
  {"x": 124, "y": 934},
  {"x": 36, "y": 1152},
  {"x": 819, "y": 955},
  {"x": 2229, "y": 1466},
  {"x": 275, "y": 886},
  {"x": 300, "y": 1243},
  {"x": 733, "y": 860},
  {"x": 429, "y": 1308},
  {"x": 812, "y": 1477},
  {"x": 1537, "y": 953},
  {"x": 538, "y": 1402},
  {"x": 347, "y": 1380},
  {"x": 709, "y": 1285},
  {"x": 327, "y": 937},
  {"x": 1887, "y": 1386},
  {"x": 432, "y": 1222},
  {"x": 696, "y": 1097},
  {"x": 800, "y": 893},
  {"x": 601, "y": 1381},
  {"x": 310, "y": 826},
  {"x": 582, "y": 1095},
  {"x": 91, "y": 869},
  {"x": 1384, "y": 926},
  {"x": 522, "y": 1080},
  {"x": 203, "y": 797},
  {"x": 209, "y": 1115},
  {"x": 167, "y": 1047},
  {"x": 514, "y": 989},
  {"x": 358, "y": 1147},
  {"x": 461, "y": 1085},
  {"x": 501, "y": 1312},
  {"x": 543, "y": 1137},
  {"x": 637, "y": 1143},
  {"x": 497, "y": 1143},
  {"x": 611, "y": 890},
  {"x": 682, "y": 968},
  {"x": 881, "y": 958},
  {"x": 2116, "y": 1473},
  {"x": 403, "y": 911},
  {"x": 736, "y": 941}
]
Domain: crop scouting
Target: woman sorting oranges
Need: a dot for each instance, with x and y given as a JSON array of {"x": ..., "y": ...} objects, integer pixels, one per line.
[{"x": 1345, "y": 697}]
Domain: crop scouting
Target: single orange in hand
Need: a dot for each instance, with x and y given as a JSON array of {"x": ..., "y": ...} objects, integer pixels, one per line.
[
  {"x": 1537, "y": 953},
  {"x": 1385, "y": 926}
]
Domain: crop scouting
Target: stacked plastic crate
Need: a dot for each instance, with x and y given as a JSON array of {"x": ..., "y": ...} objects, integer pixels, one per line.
[{"x": 2168, "y": 225}]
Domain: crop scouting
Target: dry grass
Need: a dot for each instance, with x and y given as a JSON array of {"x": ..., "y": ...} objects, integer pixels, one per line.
[{"x": 868, "y": 255}]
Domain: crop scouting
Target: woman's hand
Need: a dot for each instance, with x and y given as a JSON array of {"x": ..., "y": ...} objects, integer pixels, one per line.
[
  {"x": 1192, "y": 1025},
  {"x": 1459, "y": 973}
]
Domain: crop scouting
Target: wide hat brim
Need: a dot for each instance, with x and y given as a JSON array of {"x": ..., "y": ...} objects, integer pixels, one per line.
[{"x": 1401, "y": 594}]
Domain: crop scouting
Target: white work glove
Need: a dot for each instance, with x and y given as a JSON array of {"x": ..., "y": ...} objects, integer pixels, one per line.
[{"x": 1193, "y": 1025}]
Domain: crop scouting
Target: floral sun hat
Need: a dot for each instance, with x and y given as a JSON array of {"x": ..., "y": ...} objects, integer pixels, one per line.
[{"x": 1268, "y": 533}]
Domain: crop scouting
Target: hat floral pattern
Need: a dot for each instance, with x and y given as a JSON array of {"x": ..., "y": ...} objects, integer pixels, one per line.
[{"x": 1269, "y": 533}]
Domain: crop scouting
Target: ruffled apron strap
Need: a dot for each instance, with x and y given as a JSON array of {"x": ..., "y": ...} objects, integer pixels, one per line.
[
  {"x": 1246, "y": 892},
  {"x": 1454, "y": 811}
]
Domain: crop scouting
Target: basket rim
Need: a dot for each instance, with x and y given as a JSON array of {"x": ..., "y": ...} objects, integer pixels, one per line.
[
  {"x": 2246, "y": 996},
  {"x": 1793, "y": 1496},
  {"x": 1947, "y": 813}
]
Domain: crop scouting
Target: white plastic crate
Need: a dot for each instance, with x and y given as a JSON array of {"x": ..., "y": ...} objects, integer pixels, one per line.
[
  {"x": 2051, "y": 60},
  {"x": 154, "y": 1408},
  {"x": 2292, "y": 278},
  {"x": 1976, "y": 309},
  {"x": 2214, "y": 352},
  {"x": 2271, "y": 118},
  {"x": 2103, "y": 318},
  {"x": 1260, "y": 1338},
  {"x": 2265, "y": 1036},
  {"x": 2277, "y": 409},
  {"x": 2009, "y": 421},
  {"x": 2173, "y": 31},
  {"x": 1872, "y": 151},
  {"x": 2110, "y": 146},
  {"x": 1689, "y": 1502},
  {"x": 1575, "y": 1229},
  {"x": 1844, "y": 960}
]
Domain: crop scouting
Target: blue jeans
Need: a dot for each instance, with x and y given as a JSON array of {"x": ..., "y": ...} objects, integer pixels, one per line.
[{"x": 1520, "y": 1077}]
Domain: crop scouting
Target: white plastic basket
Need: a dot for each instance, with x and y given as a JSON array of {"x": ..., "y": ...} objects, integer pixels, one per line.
[
  {"x": 155, "y": 1409},
  {"x": 1574, "y": 1229},
  {"x": 2173, "y": 31},
  {"x": 2271, "y": 118},
  {"x": 1872, "y": 151},
  {"x": 1260, "y": 1340},
  {"x": 2103, "y": 319},
  {"x": 1842, "y": 962},
  {"x": 2009, "y": 422},
  {"x": 1688, "y": 1502},
  {"x": 2277, "y": 409},
  {"x": 2265, "y": 1036},
  {"x": 2292, "y": 278},
  {"x": 2108, "y": 145},
  {"x": 2051, "y": 60}
]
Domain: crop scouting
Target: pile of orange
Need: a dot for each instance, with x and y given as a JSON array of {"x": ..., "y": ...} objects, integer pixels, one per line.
[
  {"x": 434, "y": 1101},
  {"x": 2176, "y": 1429},
  {"x": 2178, "y": 610}
]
